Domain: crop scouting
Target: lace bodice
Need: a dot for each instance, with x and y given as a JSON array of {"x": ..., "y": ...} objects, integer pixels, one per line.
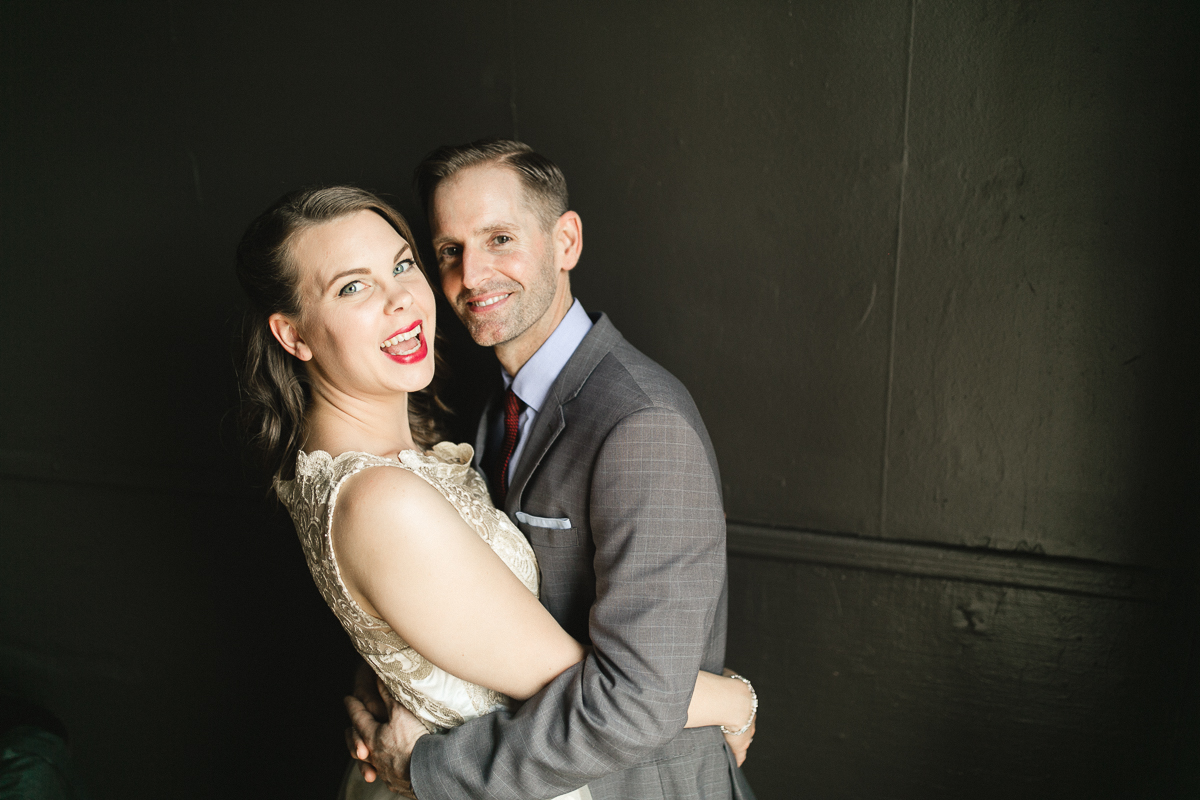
[{"x": 436, "y": 697}]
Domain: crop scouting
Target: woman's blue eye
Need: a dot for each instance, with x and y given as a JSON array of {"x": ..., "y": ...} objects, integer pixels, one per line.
[
  {"x": 403, "y": 266},
  {"x": 354, "y": 287}
]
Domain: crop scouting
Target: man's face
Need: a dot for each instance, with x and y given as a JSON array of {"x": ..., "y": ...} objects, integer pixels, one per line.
[{"x": 497, "y": 260}]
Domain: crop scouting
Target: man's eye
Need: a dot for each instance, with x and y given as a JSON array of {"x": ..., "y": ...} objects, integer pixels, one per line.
[
  {"x": 404, "y": 266},
  {"x": 450, "y": 252},
  {"x": 502, "y": 239},
  {"x": 354, "y": 287}
]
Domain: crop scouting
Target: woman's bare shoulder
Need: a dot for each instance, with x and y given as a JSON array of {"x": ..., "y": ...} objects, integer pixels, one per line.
[{"x": 387, "y": 500}]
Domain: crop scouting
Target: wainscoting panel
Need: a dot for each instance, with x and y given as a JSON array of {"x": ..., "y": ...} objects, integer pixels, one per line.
[{"x": 896, "y": 670}]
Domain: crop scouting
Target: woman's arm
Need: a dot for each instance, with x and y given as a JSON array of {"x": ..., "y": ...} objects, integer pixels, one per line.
[
  {"x": 717, "y": 696},
  {"x": 719, "y": 700},
  {"x": 407, "y": 557}
]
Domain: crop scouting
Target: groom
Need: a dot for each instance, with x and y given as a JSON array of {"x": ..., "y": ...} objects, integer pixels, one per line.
[{"x": 600, "y": 457}]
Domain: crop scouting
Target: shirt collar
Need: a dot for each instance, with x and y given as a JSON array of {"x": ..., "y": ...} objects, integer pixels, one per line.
[{"x": 534, "y": 380}]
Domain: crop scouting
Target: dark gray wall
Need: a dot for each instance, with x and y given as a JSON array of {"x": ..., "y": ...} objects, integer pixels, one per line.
[{"x": 927, "y": 267}]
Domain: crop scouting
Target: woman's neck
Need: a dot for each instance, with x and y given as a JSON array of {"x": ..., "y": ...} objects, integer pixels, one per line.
[{"x": 338, "y": 423}]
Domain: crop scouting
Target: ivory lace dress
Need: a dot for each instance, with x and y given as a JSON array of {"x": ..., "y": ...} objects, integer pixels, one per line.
[{"x": 437, "y": 698}]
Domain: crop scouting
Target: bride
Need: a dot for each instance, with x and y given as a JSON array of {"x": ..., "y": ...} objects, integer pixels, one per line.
[{"x": 437, "y": 589}]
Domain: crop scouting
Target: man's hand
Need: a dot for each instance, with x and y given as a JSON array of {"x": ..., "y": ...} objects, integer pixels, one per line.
[
  {"x": 385, "y": 748},
  {"x": 366, "y": 690}
]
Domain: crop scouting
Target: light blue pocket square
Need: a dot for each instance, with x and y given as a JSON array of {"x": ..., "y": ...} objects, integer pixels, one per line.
[{"x": 543, "y": 522}]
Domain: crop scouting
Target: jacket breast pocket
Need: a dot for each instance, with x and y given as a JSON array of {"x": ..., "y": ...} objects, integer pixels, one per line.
[{"x": 549, "y": 531}]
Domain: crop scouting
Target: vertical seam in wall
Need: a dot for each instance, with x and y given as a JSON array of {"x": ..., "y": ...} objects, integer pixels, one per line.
[
  {"x": 512, "y": 71},
  {"x": 891, "y": 370}
]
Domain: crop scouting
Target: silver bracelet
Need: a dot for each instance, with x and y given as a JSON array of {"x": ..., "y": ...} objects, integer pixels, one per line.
[{"x": 753, "y": 708}]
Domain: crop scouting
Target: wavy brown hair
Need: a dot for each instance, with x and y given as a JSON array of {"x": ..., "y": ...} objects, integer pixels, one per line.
[{"x": 274, "y": 385}]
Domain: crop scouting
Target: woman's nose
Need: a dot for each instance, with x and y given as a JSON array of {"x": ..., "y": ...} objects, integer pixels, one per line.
[{"x": 399, "y": 298}]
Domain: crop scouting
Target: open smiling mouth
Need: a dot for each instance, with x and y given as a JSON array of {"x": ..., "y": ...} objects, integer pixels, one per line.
[
  {"x": 491, "y": 301},
  {"x": 403, "y": 344}
]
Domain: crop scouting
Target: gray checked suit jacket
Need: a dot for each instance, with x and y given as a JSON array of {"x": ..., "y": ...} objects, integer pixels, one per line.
[{"x": 621, "y": 480}]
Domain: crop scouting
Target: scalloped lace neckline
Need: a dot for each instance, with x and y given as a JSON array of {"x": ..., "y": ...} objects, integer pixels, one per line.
[{"x": 449, "y": 453}]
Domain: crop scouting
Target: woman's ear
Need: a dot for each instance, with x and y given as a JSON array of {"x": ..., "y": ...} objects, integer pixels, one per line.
[{"x": 288, "y": 335}]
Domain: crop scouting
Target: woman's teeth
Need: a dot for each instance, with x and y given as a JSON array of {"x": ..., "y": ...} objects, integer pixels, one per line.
[{"x": 390, "y": 346}]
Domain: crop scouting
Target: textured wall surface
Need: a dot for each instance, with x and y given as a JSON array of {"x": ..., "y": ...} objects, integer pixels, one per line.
[
  {"x": 927, "y": 267},
  {"x": 897, "y": 685}
]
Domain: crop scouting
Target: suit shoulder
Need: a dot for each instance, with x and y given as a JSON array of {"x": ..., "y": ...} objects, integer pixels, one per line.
[
  {"x": 618, "y": 380},
  {"x": 627, "y": 386},
  {"x": 631, "y": 378}
]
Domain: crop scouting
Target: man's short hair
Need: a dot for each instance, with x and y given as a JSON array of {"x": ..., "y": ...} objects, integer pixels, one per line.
[{"x": 545, "y": 185}]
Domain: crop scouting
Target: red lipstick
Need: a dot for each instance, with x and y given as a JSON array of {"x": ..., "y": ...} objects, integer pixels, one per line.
[
  {"x": 403, "y": 330},
  {"x": 416, "y": 355}
]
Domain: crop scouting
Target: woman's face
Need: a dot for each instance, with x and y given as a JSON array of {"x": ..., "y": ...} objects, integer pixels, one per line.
[{"x": 366, "y": 323}]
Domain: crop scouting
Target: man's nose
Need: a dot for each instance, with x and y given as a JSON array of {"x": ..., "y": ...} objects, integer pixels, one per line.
[{"x": 476, "y": 268}]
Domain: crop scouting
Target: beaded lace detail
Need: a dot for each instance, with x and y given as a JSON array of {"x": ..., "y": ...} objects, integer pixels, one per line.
[{"x": 437, "y": 698}]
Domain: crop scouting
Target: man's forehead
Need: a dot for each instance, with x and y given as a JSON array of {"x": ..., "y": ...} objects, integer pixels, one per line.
[
  {"x": 493, "y": 195},
  {"x": 486, "y": 176}
]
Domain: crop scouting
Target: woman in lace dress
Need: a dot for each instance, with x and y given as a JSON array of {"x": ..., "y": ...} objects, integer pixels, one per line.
[{"x": 436, "y": 588}]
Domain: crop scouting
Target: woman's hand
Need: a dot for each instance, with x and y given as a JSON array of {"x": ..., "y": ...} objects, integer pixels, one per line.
[{"x": 740, "y": 745}]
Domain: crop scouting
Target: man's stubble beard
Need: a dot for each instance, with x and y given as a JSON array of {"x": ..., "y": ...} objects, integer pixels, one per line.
[{"x": 528, "y": 306}]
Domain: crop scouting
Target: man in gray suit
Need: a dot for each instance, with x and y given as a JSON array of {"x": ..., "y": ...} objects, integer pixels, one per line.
[{"x": 600, "y": 457}]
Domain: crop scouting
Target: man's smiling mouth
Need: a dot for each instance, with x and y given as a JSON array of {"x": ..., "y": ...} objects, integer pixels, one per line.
[{"x": 491, "y": 301}]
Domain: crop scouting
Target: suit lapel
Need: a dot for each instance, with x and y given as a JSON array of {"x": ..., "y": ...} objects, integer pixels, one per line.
[
  {"x": 481, "y": 432},
  {"x": 549, "y": 425},
  {"x": 551, "y": 420}
]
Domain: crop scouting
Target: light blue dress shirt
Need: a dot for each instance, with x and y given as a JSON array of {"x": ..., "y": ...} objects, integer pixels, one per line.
[{"x": 534, "y": 380}]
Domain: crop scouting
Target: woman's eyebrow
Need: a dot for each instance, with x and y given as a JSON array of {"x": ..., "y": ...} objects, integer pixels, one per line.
[
  {"x": 363, "y": 270},
  {"x": 344, "y": 273}
]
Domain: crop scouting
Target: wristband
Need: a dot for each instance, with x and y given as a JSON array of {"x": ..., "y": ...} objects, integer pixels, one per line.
[{"x": 753, "y": 708}]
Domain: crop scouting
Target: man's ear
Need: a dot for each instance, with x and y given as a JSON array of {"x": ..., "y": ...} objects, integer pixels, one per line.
[
  {"x": 288, "y": 335},
  {"x": 568, "y": 240}
]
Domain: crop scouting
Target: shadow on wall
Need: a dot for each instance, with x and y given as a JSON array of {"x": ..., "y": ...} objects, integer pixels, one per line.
[{"x": 192, "y": 636}]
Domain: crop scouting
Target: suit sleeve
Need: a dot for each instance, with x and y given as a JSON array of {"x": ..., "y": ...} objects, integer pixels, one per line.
[{"x": 659, "y": 531}]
